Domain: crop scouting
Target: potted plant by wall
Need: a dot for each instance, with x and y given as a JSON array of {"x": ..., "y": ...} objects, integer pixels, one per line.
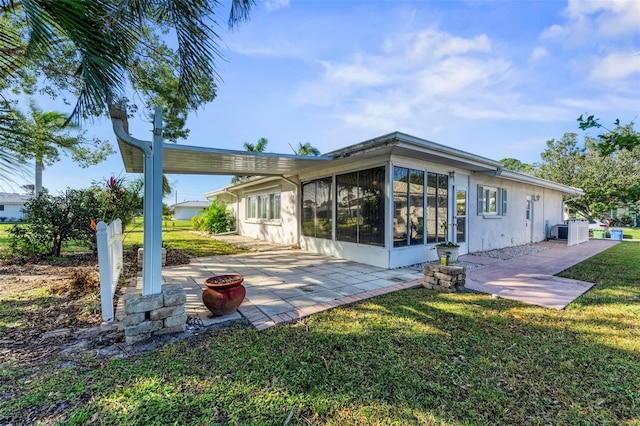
[{"x": 447, "y": 247}]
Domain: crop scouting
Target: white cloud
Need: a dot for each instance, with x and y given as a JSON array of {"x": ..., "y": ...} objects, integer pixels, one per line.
[
  {"x": 590, "y": 19},
  {"x": 538, "y": 53},
  {"x": 270, "y": 48},
  {"x": 615, "y": 66},
  {"x": 272, "y": 5},
  {"x": 414, "y": 75}
]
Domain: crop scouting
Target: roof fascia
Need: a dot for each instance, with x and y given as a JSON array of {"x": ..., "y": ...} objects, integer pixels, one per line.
[{"x": 519, "y": 177}]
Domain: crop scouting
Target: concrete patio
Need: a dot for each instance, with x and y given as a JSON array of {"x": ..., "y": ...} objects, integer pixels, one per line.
[{"x": 285, "y": 285}]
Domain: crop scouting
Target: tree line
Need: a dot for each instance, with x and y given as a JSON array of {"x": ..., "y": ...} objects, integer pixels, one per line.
[{"x": 606, "y": 167}]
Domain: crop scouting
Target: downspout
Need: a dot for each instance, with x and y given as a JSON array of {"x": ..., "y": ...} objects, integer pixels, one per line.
[
  {"x": 296, "y": 185},
  {"x": 237, "y": 209}
]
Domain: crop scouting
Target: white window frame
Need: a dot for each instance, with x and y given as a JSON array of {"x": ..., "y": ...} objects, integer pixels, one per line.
[
  {"x": 484, "y": 204},
  {"x": 264, "y": 208},
  {"x": 488, "y": 190}
]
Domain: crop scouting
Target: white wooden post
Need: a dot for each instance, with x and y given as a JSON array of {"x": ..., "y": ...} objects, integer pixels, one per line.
[
  {"x": 109, "y": 240},
  {"x": 152, "y": 256}
]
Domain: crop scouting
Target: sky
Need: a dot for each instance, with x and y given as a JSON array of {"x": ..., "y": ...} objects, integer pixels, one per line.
[{"x": 494, "y": 78}]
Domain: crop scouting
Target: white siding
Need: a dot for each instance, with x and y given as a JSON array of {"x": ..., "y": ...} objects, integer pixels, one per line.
[
  {"x": 282, "y": 231},
  {"x": 186, "y": 213},
  {"x": 512, "y": 229},
  {"x": 12, "y": 212}
]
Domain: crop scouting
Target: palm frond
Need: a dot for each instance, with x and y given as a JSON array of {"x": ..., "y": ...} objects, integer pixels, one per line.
[
  {"x": 240, "y": 11},
  {"x": 10, "y": 164}
]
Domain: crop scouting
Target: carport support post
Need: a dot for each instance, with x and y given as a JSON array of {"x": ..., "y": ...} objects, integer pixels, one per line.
[{"x": 152, "y": 258}]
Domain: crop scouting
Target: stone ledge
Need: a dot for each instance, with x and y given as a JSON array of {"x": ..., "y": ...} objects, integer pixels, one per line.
[{"x": 443, "y": 278}]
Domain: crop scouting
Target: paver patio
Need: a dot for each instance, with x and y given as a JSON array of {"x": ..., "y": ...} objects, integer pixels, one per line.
[{"x": 283, "y": 286}]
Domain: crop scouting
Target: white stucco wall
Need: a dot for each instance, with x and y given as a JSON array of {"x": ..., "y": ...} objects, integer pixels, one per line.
[
  {"x": 12, "y": 211},
  {"x": 186, "y": 213},
  {"x": 282, "y": 231},
  {"x": 493, "y": 232}
]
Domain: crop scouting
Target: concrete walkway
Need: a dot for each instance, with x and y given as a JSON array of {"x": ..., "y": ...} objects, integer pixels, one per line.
[{"x": 531, "y": 278}]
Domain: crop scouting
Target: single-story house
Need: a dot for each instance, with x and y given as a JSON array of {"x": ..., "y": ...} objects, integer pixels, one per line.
[
  {"x": 388, "y": 201},
  {"x": 188, "y": 209},
  {"x": 11, "y": 206}
]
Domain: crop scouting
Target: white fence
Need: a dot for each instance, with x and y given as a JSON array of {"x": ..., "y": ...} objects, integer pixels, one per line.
[
  {"x": 109, "y": 240},
  {"x": 578, "y": 232}
]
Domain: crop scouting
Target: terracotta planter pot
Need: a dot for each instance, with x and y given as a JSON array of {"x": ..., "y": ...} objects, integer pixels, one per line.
[{"x": 224, "y": 293}]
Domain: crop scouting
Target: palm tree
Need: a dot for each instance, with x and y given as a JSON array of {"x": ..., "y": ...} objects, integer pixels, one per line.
[
  {"x": 306, "y": 149},
  {"x": 260, "y": 146},
  {"x": 95, "y": 48},
  {"x": 105, "y": 35},
  {"x": 44, "y": 136}
]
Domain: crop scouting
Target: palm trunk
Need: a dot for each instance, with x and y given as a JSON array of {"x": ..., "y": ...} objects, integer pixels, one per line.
[{"x": 39, "y": 167}]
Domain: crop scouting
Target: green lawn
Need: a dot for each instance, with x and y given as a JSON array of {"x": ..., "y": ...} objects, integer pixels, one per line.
[
  {"x": 412, "y": 357},
  {"x": 179, "y": 235},
  {"x": 176, "y": 234},
  {"x": 4, "y": 235},
  {"x": 629, "y": 233}
]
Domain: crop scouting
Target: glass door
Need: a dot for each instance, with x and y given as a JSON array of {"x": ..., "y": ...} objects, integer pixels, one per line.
[{"x": 460, "y": 219}]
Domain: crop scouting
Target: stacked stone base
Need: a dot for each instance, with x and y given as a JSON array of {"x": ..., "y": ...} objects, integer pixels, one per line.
[
  {"x": 444, "y": 278},
  {"x": 154, "y": 314}
]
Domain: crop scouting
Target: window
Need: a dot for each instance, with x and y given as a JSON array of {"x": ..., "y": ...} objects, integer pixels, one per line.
[
  {"x": 492, "y": 201},
  {"x": 360, "y": 202},
  {"x": 317, "y": 208},
  {"x": 1, "y": 207},
  {"x": 408, "y": 201},
  {"x": 437, "y": 207},
  {"x": 264, "y": 206}
]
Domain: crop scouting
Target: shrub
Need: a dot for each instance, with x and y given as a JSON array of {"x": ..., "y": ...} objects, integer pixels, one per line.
[
  {"x": 196, "y": 222},
  {"x": 53, "y": 221},
  {"x": 216, "y": 219}
]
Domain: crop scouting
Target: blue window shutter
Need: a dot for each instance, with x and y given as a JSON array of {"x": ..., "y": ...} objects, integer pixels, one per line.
[
  {"x": 504, "y": 202},
  {"x": 480, "y": 199}
]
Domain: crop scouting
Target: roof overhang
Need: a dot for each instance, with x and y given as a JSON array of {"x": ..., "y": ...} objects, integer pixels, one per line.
[
  {"x": 406, "y": 145},
  {"x": 520, "y": 177},
  {"x": 196, "y": 160}
]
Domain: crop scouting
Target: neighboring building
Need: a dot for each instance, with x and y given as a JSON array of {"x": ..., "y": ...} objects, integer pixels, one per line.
[
  {"x": 188, "y": 209},
  {"x": 388, "y": 201},
  {"x": 11, "y": 206}
]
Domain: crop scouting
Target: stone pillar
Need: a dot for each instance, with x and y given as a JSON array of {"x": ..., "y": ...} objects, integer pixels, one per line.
[
  {"x": 444, "y": 278},
  {"x": 154, "y": 314},
  {"x": 141, "y": 257}
]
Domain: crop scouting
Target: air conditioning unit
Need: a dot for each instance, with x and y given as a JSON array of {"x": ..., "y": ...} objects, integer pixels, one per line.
[{"x": 559, "y": 232}]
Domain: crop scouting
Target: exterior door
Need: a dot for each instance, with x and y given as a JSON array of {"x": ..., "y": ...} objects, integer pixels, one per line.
[
  {"x": 460, "y": 218},
  {"x": 529, "y": 217}
]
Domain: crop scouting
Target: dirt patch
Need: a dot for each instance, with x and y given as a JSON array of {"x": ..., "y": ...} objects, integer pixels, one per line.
[{"x": 50, "y": 309}]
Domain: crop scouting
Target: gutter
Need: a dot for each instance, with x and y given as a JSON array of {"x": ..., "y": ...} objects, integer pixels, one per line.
[
  {"x": 237, "y": 209},
  {"x": 118, "y": 120}
]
